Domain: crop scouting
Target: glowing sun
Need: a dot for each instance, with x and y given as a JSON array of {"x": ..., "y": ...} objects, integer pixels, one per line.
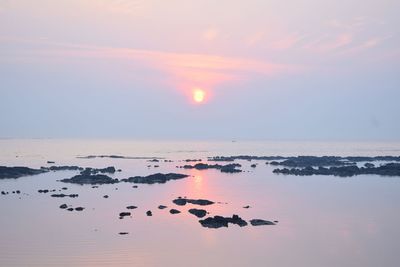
[{"x": 198, "y": 95}]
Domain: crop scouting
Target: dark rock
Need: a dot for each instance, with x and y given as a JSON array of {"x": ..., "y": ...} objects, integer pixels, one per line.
[
  {"x": 183, "y": 201},
  {"x": 253, "y": 165},
  {"x": 123, "y": 233},
  {"x": 153, "y": 160},
  {"x": 219, "y": 221},
  {"x": 17, "y": 172},
  {"x": 149, "y": 213},
  {"x": 63, "y": 206},
  {"x": 50, "y": 162},
  {"x": 3, "y": 192},
  {"x": 246, "y": 207},
  {"x": 174, "y": 211},
  {"x": 390, "y": 169},
  {"x": 79, "y": 208},
  {"x": 257, "y": 222},
  {"x": 161, "y": 207},
  {"x": 131, "y": 207},
  {"x": 64, "y": 168},
  {"x": 64, "y": 188},
  {"x": 135, "y": 186},
  {"x": 43, "y": 191},
  {"x": 64, "y": 195},
  {"x": 89, "y": 171},
  {"x": 90, "y": 179},
  {"x": 229, "y": 168},
  {"x": 70, "y": 209},
  {"x": 105, "y": 196},
  {"x": 123, "y": 214},
  {"x": 200, "y": 213},
  {"x": 159, "y": 178}
]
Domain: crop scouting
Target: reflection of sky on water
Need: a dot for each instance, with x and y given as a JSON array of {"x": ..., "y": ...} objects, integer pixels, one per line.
[{"x": 323, "y": 221}]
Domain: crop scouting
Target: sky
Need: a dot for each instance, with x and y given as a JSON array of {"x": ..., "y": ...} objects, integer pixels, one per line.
[{"x": 180, "y": 69}]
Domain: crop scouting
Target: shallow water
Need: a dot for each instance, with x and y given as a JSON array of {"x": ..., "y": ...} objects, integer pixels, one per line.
[{"x": 323, "y": 221}]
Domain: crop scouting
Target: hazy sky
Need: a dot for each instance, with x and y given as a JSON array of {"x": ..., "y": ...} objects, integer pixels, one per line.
[{"x": 300, "y": 69}]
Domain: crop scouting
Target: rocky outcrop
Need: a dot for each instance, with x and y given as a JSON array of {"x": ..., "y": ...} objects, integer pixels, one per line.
[
  {"x": 90, "y": 179},
  {"x": 157, "y": 178},
  {"x": 220, "y": 221},
  {"x": 17, "y": 172},
  {"x": 183, "y": 201}
]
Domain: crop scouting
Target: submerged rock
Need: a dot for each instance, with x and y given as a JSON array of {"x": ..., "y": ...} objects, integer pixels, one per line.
[
  {"x": 257, "y": 222},
  {"x": 157, "y": 178},
  {"x": 199, "y": 213},
  {"x": 90, "y": 179},
  {"x": 17, "y": 172},
  {"x": 220, "y": 221},
  {"x": 183, "y": 201}
]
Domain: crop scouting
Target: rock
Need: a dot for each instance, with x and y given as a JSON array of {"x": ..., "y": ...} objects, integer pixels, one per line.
[
  {"x": 149, "y": 213},
  {"x": 219, "y": 221},
  {"x": 70, "y": 209},
  {"x": 90, "y": 179},
  {"x": 161, "y": 207},
  {"x": 89, "y": 171},
  {"x": 50, "y": 162},
  {"x": 158, "y": 178},
  {"x": 44, "y": 191},
  {"x": 123, "y": 233},
  {"x": 64, "y": 195},
  {"x": 64, "y": 188},
  {"x": 105, "y": 196},
  {"x": 63, "y": 206},
  {"x": 131, "y": 207},
  {"x": 253, "y": 165},
  {"x": 79, "y": 208},
  {"x": 229, "y": 168},
  {"x": 257, "y": 222},
  {"x": 174, "y": 211},
  {"x": 17, "y": 172},
  {"x": 135, "y": 186},
  {"x": 246, "y": 207},
  {"x": 182, "y": 201},
  {"x": 123, "y": 214},
  {"x": 153, "y": 160},
  {"x": 3, "y": 193},
  {"x": 390, "y": 169},
  {"x": 200, "y": 213},
  {"x": 64, "y": 168}
]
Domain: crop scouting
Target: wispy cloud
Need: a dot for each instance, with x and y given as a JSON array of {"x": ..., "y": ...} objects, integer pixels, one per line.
[{"x": 185, "y": 69}]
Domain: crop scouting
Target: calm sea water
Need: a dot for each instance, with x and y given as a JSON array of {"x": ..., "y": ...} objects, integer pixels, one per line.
[{"x": 323, "y": 221}]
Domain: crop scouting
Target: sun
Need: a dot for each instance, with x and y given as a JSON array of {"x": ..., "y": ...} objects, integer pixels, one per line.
[{"x": 198, "y": 95}]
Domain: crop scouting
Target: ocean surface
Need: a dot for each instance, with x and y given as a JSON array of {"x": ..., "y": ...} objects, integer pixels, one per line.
[{"x": 323, "y": 220}]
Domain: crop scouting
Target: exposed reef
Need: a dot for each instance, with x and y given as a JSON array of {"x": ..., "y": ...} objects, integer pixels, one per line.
[
  {"x": 157, "y": 178},
  {"x": 90, "y": 179},
  {"x": 17, "y": 172},
  {"x": 229, "y": 168},
  {"x": 183, "y": 201},
  {"x": 220, "y": 221},
  {"x": 390, "y": 169}
]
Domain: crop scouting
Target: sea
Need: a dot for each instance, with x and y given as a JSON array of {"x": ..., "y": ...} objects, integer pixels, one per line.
[{"x": 321, "y": 220}]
